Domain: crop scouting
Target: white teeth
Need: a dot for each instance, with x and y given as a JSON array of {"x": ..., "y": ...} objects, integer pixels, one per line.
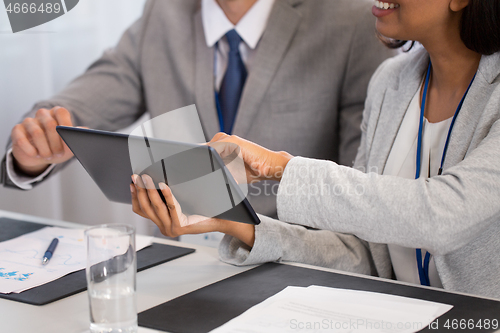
[{"x": 386, "y": 5}]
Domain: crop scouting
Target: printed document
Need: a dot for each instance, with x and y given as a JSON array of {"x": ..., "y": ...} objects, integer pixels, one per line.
[
  {"x": 322, "y": 309},
  {"x": 21, "y": 258}
]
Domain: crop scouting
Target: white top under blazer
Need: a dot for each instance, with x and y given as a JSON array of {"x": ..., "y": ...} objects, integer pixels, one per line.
[{"x": 402, "y": 163}]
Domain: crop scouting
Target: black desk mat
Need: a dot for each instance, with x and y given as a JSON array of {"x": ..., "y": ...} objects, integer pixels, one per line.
[
  {"x": 75, "y": 282},
  {"x": 208, "y": 308}
]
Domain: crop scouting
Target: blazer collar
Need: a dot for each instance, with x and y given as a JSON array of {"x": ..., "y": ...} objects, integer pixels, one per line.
[
  {"x": 489, "y": 67},
  {"x": 396, "y": 100},
  {"x": 400, "y": 92},
  {"x": 473, "y": 108},
  {"x": 204, "y": 80},
  {"x": 281, "y": 27},
  {"x": 283, "y": 23},
  {"x": 250, "y": 28}
]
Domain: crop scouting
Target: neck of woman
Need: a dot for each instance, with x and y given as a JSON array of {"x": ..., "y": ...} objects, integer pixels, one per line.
[
  {"x": 453, "y": 67},
  {"x": 453, "y": 64}
]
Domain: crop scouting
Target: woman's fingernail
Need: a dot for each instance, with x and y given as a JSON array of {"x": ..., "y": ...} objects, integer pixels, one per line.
[
  {"x": 59, "y": 155},
  {"x": 163, "y": 186},
  {"x": 134, "y": 179},
  {"x": 146, "y": 181}
]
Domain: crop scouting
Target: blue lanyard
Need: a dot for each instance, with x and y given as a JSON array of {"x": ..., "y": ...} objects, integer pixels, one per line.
[{"x": 423, "y": 269}]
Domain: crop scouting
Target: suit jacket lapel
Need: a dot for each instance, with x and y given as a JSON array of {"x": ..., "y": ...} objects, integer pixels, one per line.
[
  {"x": 472, "y": 109},
  {"x": 283, "y": 23},
  {"x": 398, "y": 98},
  {"x": 393, "y": 109},
  {"x": 204, "y": 81}
]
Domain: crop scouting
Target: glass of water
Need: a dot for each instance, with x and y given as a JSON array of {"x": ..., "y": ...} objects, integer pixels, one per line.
[{"x": 111, "y": 270}]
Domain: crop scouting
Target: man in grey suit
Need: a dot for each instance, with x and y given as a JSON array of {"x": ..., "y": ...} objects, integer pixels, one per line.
[{"x": 306, "y": 67}]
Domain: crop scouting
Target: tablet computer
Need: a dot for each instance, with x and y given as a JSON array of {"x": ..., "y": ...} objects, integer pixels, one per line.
[{"x": 197, "y": 176}]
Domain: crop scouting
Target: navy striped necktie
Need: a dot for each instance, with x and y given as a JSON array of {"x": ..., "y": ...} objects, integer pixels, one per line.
[{"x": 232, "y": 83}]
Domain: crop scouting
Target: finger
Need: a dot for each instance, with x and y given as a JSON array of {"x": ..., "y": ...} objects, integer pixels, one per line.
[
  {"x": 38, "y": 138},
  {"x": 218, "y": 136},
  {"x": 144, "y": 203},
  {"x": 20, "y": 139},
  {"x": 172, "y": 204},
  {"x": 159, "y": 207},
  {"x": 136, "y": 208},
  {"x": 49, "y": 123},
  {"x": 225, "y": 149},
  {"x": 139, "y": 185},
  {"x": 194, "y": 224},
  {"x": 62, "y": 116},
  {"x": 223, "y": 137}
]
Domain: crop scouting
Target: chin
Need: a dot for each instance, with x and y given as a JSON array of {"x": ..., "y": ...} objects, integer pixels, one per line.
[{"x": 386, "y": 31}]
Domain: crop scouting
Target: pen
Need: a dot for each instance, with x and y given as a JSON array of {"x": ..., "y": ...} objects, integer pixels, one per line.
[{"x": 50, "y": 251}]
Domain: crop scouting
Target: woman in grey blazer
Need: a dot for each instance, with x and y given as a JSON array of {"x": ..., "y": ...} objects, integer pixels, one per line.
[{"x": 424, "y": 194}]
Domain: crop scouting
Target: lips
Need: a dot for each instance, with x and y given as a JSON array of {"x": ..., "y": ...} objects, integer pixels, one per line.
[
  {"x": 382, "y": 8},
  {"x": 386, "y": 5}
]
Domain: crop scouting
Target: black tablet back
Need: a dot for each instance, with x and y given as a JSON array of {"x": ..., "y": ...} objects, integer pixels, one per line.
[{"x": 196, "y": 174}]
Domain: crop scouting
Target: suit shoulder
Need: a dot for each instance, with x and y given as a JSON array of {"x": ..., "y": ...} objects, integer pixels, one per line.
[
  {"x": 349, "y": 8},
  {"x": 344, "y": 16},
  {"x": 173, "y": 7}
]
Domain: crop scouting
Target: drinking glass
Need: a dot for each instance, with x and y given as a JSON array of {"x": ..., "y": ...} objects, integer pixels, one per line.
[{"x": 111, "y": 278}]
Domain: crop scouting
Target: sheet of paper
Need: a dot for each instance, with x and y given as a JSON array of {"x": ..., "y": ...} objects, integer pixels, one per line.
[
  {"x": 322, "y": 309},
  {"x": 21, "y": 258}
]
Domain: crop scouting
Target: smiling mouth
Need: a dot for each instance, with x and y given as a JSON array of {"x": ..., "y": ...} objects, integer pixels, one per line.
[{"x": 386, "y": 5}]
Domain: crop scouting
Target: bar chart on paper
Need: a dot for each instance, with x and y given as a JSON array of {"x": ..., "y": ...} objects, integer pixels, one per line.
[{"x": 14, "y": 275}]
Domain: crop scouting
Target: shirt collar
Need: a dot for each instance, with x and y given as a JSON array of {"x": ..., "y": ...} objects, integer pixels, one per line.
[{"x": 250, "y": 27}]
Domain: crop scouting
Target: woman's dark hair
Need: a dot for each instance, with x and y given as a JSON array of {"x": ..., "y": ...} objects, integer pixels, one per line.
[{"x": 479, "y": 30}]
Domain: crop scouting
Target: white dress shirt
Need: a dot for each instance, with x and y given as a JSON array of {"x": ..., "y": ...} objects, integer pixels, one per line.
[
  {"x": 402, "y": 163},
  {"x": 23, "y": 182},
  {"x": 215, "y": 25},
  {"x": 250, "y": 28}
]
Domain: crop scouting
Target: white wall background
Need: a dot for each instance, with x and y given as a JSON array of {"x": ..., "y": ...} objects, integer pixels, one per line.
[{"x": 34, "y": 65}]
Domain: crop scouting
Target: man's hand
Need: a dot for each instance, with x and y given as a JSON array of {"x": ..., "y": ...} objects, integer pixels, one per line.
[
  {"x": 169, "y": 218},
  {"x": 36, "y": 143}
]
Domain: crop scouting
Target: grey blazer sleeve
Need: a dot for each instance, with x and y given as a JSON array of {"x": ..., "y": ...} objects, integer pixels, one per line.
[
  {"x": 366, "y": 53},
  {"x": 440, "y": 214},
  {"x": 279, "y": 241},
  {"x": 109, "y": 94}
]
